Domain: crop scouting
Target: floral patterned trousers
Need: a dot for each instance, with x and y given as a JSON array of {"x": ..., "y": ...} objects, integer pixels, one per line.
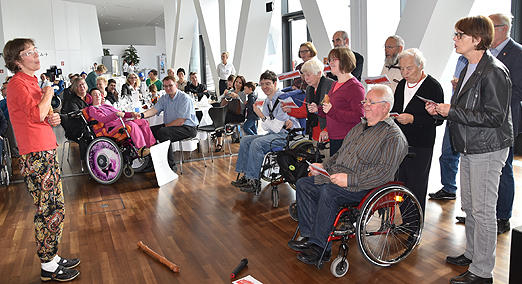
[{"x": 41, "y": 173}]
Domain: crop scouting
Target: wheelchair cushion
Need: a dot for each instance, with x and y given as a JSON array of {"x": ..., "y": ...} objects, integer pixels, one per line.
[{"x": 100, "y": 130}]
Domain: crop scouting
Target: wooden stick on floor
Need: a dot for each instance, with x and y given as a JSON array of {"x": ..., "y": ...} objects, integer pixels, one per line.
[{"x": 172, "y": 266}]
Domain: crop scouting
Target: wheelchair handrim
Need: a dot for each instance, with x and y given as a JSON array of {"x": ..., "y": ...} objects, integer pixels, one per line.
[{"x": 394, "y": 234}]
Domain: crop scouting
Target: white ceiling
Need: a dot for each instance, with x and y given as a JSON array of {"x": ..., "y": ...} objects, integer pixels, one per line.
[{"x": 122, "y": 14}]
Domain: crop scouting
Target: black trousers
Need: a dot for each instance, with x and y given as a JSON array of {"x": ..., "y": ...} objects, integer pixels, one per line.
[
  {"x": 414, "y": 172},
  {"x": 173, "y": 133},
  {"x": 222, "y": 87}
]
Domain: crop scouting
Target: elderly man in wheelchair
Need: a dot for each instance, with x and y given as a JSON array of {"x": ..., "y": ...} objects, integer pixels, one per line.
[{"x": 369, "y": 157}]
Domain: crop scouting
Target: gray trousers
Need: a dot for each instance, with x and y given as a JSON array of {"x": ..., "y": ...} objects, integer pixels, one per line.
[{"x": 479, "y": 179}]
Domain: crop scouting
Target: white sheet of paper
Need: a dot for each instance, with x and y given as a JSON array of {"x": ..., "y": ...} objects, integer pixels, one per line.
[
  {"x": 273, "y": 125},
  {"x": 159, "y": 154},
  {"x": 288, "y": 102},
  {"x": 319, "y": 170},
  {"x": 247, "y": 280}
]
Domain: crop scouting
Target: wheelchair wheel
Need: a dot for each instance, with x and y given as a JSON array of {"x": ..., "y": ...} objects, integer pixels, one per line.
[
  {"x": 56, "y": 102},
  {"x": 339, "y": 266},
  {"x": 275, "y": 197},
  {"x": 4, "y": 175},
  {"x": 140, "y": 164},
  {"x": 128, "y": 171},
  {"x": 104, "y": 160},
  {"x": 270, "y": 168},
  {"x": 390, "y": 225},
  {"x": 7, "y": 158},
  {"x": 292, "y": 210}
]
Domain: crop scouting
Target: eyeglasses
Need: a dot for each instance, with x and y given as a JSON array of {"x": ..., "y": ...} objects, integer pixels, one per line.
[
  {"x": 390, "y": 46},
  {"x": 498, "y": 26},
  {"x": 332, "y": 60},
  {"x": 304, "y": 51},
  {"x": 364, "y": 102},
  {"x": 459, "y": 35},
  {"x": 30, "y": 52}
]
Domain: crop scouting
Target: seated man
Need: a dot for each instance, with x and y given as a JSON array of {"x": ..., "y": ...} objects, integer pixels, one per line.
[
  {"x": 179, "y": 115},
  {"x": 195, "y": 87},
  {"x": 140, "y": 132},
  {"x": 369, "y": 156},
  {"x": 254, "y": 147}
]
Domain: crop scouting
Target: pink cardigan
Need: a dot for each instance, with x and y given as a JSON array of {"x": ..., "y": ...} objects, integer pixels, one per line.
[{"x": 346, "y": 110}]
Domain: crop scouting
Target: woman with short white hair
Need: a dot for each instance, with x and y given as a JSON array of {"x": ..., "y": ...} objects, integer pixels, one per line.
[
  {"x": 318, "y": 87},
  {"x": 415, "y": 122}
]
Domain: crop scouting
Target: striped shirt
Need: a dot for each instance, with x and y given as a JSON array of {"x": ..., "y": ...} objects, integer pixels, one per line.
[{"x": 370, "y": 156}]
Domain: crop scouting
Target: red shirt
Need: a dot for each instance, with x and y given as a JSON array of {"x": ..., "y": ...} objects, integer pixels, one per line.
[{"x": 23, "y": 97}]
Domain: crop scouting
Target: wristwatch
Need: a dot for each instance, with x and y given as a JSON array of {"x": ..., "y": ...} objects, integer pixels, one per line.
[
  {"x": 263, "y": 119},
  {"x": 142, "y": 115}
]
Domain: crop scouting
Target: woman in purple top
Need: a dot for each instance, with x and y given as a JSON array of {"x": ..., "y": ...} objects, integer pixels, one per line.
[
  {"x": 342, "y": 106},
  {"x": 140, "y": 133}
]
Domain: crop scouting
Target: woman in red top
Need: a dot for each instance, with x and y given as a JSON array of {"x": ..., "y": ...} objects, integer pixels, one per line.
[
  {"x": 32, "y": 119},
  {"x": 342, "y": 106}
]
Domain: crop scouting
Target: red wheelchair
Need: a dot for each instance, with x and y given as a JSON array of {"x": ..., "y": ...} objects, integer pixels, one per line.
[{"x": 387, "y": 225}]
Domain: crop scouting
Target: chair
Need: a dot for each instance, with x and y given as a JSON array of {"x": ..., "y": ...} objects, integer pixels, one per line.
[
  {"x": 218, "y": 124},
  {"x": 180, "y": 145}
]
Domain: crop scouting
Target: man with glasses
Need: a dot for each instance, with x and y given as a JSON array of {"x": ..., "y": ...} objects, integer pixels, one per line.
[
  {"x": 253, "y": 148},
  {"x": 179, "y": 115},
  {"x": 340, "y": 38},
  {"x": 392, "y": 47},
  {"x": 369, "y": 157}
]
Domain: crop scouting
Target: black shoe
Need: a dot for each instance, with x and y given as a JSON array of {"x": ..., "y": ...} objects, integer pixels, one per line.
[
  {"x": 300, "y": 245},
  {"x": 461, "y": 219},
  {"x": 69, "y": 262},
  {"x": 253, "y": 185},
  {"x": 503, "y": 226},
  {"x": 442, "y": 195},
  {"x": 312, "y": 254},
  {"x": 240, "y": 182},
  {"x": 470, "y": 278},
  {"x": 61, "y": 274},
  {"x": 458, "y": 260}
]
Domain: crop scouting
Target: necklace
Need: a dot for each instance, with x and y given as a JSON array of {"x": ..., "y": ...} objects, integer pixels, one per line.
[{"x": 408, "y": 84}]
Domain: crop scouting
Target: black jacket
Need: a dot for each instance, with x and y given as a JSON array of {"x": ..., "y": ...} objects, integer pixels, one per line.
[
  {"x": 312, "y": 119},
  {"x": 479, "y": 119},
  {"x": 73, "y": 127},
  {"x": 420, "y": 133}
]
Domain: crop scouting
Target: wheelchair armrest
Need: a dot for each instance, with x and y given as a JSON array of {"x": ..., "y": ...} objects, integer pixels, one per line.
[{"x": 74, "y": 114}]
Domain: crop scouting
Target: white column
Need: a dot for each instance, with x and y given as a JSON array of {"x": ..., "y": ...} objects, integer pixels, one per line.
[
  {"x": 317, "y": 28},
  {"x": 208, "y": 27},
  {"x": 359, "y": 29},
  {"x": 180, "y": 20},
  {"x": 249, "y": 53},
  {"x": 222, "y": 26},
  {"x": 429, "y": 25}
]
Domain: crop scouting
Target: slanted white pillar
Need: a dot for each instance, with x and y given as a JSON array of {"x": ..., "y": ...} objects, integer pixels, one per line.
[
  {"x": 180, "y": 20},
  {"x": 253, "y": 28},
  {"x": 359, "y": 29},
  {"x": 316, "y": 27},
  {"x": 209, "y": 29},
  {"x": 429, "y": 26}
]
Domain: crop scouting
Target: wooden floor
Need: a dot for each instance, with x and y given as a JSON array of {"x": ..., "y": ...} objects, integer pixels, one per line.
[{"x": 207, "y": 226}]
